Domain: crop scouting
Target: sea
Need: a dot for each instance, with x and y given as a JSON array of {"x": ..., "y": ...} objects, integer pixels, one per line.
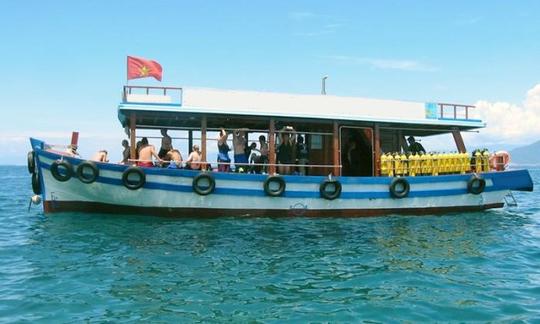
[{"x": 78, "y": 267}]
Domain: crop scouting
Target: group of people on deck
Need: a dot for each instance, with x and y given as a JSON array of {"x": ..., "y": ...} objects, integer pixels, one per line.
[
  {"x": 168, "y": 156},
  {"x": 292, "y": 154}
]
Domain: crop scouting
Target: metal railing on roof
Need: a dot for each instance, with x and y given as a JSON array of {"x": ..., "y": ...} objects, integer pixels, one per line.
[
  {"x": 150, "y": 94},
  {"x": 454, "y": 111}
]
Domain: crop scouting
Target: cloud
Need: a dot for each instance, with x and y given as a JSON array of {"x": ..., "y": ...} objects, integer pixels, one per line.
[
  {"x": 510, "y": 123},
  {"x": 385, "y": 64}
]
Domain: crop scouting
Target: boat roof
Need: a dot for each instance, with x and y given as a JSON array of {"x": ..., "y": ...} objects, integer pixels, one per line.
[{"x": 162, "y": 110}]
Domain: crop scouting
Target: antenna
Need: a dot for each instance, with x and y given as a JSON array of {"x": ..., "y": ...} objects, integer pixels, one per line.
[{"x": 323, "y": 89}]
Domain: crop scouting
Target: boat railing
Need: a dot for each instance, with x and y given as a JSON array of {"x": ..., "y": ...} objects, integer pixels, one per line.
[
  {"x": 154, "y": 95},
  {"x": 454, "y": 111},
  {"x": 209, "y": 164}
]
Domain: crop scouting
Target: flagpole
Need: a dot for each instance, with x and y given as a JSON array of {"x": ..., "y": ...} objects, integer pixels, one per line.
[{"x": 127, "y": 68}]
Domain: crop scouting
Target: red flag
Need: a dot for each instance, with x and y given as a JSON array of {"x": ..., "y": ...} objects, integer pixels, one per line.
[{"x": 142, "y": 68}]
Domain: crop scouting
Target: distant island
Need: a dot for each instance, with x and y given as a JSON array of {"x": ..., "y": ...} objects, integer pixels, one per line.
[{"x": 529, "y": 154}]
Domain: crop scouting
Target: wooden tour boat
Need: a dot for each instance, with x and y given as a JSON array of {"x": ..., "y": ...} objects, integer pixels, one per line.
[{"x": 358, "y": 162}]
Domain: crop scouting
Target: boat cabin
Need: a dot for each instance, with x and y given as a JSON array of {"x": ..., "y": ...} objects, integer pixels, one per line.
[{"x": 336, "y": 130}]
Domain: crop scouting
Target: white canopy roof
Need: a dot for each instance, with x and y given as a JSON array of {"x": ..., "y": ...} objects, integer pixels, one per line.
[{"x": 252, "y": 103}]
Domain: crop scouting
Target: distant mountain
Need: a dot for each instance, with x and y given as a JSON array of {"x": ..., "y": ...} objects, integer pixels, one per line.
[{"x": 529, "y": 154}]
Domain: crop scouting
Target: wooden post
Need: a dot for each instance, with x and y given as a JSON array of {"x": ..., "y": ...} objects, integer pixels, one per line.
[
  {"x": 377, "y": 151},
  {"x": 190, "y": 141},
  {"x": 132, "y": 137},
  {"x": 203, "y": 141},
  {"x": 402, "y": 141},
  {"x": 335, "y": 144},
  {"x": 459, "y": 141},
  {"x": 272, "y": 147}
]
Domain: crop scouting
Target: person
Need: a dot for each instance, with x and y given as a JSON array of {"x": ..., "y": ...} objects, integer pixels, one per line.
[
  {"x": 146, "y": 152},
  {"x": 263, "y": 148},
  {"x": 193, "y": 161},
  {"x": 223, "y": 152},
  {"x": 137, "y": 149},
  {"x": 263, "y": 158},
  {"x": 254, "y": 158},
  {"x": 414, "y": 146},
  {"x": 100, "y": 156},
  {"x": 239, "y": 144},
  {"x": 175, "y": 159},
  {"x": 303, "y": 155},
  {"x": 126, "y": 152},
  {"x": 285, "y": 149},
  {"x": 166, "y": 144}
]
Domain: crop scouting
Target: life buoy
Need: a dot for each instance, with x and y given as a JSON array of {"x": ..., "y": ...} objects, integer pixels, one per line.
[
  {"x": 476, "y": 185},
  {"x": 204, "y": 184},
  {"x": 56, "y": 167},
  {"x": 329, "y": 184},
  {"x": 499, "y": 160},
  {"x": 399, "y": 188},
  {"x": 270, "y": 186},
  {"x": 133, "y": 184},
  {"x": 36, "y": 186},
  {"x": 31, "y": 162},
  {"x": 83, "y": 174}
]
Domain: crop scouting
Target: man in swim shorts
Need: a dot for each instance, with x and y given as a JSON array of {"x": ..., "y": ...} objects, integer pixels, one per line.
[{"x": 239, "y": 143}]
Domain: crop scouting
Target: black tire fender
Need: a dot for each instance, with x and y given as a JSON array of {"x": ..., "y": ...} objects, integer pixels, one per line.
[
  {"x": 133, "y": 185},
  {"x": 85, "y": 178},
  {"x": 399, "y": 188},
  {"x": 31, "y": 162},
  {"x": 476, "y": 185},
  {"x": 56, "y": 172},
  {"x": 330, "y": 195},
  {"x": 281, "y": 186},
  {"x": 204, "y": 190},
  {"x": 36, "y": 185}
]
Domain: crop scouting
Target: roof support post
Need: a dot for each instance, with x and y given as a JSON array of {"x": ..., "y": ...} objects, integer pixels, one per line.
[
  {"x": 335, "y": 141},
  {"x": 272, "y": 147},
  {"x": 190, "y": 141},
  {"x": 203, "y": 141},
  {"x": 460, "y": 144},
  {"x": 402, "y": 142},
  {"x": 377, "y": 150},
  {"x": 132, "y": 137}
]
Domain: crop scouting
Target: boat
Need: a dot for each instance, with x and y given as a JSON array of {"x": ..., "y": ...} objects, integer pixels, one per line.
[{"x": 359, "y": 161}]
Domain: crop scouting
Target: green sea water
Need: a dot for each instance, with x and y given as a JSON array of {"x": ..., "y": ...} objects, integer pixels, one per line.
[{"x": 76, "y": 267}]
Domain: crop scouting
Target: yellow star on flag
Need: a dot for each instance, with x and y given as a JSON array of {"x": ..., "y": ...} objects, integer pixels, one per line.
[{"x": 144, "y": 71}]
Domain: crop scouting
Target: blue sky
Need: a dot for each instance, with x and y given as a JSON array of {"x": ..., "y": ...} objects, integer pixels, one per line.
[{"x": 64, "y": 61}]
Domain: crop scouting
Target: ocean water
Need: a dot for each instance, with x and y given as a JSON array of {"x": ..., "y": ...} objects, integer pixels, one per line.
[{"x": 75, "y": 267}]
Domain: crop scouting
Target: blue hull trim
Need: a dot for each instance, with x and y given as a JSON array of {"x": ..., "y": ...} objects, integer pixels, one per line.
[
  {"x": 510, "y": 180},
  {"x": 519, "y": 180}
]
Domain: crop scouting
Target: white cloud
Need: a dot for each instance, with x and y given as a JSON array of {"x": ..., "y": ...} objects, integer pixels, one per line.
[
  {"x": 385, "y": 64},
  {"x": 510, "y": 123}
]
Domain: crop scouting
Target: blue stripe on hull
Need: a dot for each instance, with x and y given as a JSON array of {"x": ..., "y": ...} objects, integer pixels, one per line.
[{"x": 511, "y": 180}]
